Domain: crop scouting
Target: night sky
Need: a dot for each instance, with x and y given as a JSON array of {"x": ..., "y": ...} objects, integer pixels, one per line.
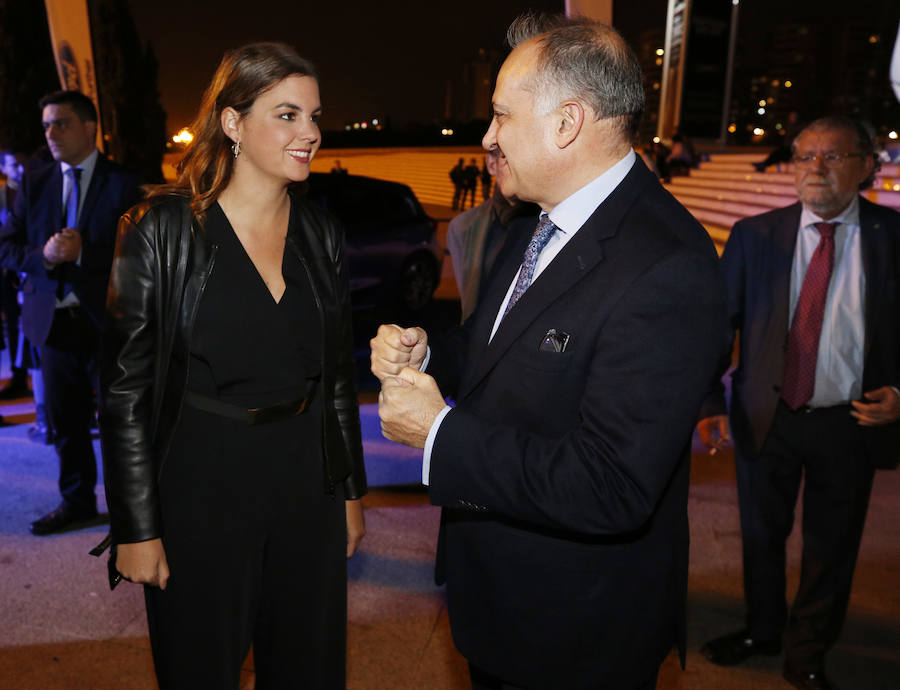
[
  {"x": 395, "y": 60},
  {"x": 392, "y": 60}
]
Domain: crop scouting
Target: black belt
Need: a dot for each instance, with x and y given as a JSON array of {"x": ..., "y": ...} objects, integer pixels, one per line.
[
  {"x": 250, "y": 416},
  {"x": 807, "y": 408}
]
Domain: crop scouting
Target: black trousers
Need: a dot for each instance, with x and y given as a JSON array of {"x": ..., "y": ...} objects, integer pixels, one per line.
[
  {"x": 69, "y": 368},
  {"x": 824, "y": 447},
  {"x": 257, "y": 554},
  {"x": 9, "y": 308},
  {"x": 482, "y": 680}
]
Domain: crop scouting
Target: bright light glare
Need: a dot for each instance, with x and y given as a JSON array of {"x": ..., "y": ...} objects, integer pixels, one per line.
[{"x": 184, "y": 136}]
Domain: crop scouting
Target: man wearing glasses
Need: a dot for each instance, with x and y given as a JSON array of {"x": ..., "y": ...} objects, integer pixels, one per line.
[{"x": 813, "y": 292}]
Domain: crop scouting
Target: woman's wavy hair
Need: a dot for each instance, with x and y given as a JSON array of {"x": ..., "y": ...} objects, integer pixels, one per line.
[{"x": 242, "y": 76}]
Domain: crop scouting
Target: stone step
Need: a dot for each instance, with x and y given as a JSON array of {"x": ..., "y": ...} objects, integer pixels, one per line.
[
  {"x": 426, "y": 171},
  {"x": 738, "y": 157},
  {"x": 709, "y": 216},
  {"x": 759, "y": 187},
  {"x": 734, "y": 208},
  {"x": 738, "y": 194},
  {"x": 729, "y": 166},
  {"x": 884, "y": 197},
  {"x": 747, "y": 159},
  {"x": 713, "y": 173}
]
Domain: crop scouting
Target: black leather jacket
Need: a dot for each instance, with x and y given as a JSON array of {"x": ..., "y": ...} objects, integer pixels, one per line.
[{"x": 161, "y": 266}]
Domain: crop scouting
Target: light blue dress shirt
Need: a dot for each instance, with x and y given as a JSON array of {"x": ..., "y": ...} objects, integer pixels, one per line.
[
  {"x": 87, "y": 173},
  {"x": 569, "y": 216},
  {"x": 839, "y": 365}
]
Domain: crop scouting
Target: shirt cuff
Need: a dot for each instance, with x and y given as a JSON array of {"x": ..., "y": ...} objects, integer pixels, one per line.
[
  {"x": 429, "y": 443},
  {"x": 424, "y": 364}
]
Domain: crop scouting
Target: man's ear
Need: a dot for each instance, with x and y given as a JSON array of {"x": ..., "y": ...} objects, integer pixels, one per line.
[
  {"x": 231, "y": 120},
  {"x": 571, "y": 120},
  {"x": 868, "y": 168}
]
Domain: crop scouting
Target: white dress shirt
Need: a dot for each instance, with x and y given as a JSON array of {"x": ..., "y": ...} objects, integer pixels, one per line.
[
  {"x": 87, "y": 172},
  {"x": 569, "y": 216},
  {"x": 839, "y": 365}
]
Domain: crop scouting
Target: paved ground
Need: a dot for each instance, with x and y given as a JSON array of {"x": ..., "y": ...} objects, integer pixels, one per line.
[{"x": 61, "y": 629}]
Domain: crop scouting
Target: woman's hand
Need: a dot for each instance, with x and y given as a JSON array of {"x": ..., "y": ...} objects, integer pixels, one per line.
[
  {"x": 145, "y": 562},
  {"x": 356, "y": 525}
]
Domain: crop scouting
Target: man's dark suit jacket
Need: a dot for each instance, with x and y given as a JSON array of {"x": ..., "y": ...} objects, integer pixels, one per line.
[
  {"x": 38, "y": 215},
  {"x": 564, "y": 476},
  {"x": 757, "y": 264}
]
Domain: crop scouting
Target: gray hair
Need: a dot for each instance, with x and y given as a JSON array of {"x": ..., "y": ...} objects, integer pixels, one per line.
[
  {"x": 583, "y": 59},
  {"x": 864, "y": 139}
]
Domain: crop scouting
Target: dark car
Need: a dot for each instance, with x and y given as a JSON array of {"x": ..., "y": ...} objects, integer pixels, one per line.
[{"x": 392, "y": 250}]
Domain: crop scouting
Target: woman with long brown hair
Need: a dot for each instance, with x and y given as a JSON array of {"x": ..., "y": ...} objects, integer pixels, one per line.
[{"x": 230, "y": 428}]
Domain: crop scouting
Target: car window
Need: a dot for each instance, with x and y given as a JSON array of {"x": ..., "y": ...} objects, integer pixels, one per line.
[
  {"x": 398, "y": 206},
  {"x": 365, "y": 206}
]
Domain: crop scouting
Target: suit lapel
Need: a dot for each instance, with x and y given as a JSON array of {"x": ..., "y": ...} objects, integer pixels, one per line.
[
  {"x": 489, "y": 305},
  {"x": 54, "y": 191},
  {"x": 580, "y": 255},
  {"x": 784, "y": 238},
  {"x": 98, "y": 181},
  {"x": 874, "y": 268}
]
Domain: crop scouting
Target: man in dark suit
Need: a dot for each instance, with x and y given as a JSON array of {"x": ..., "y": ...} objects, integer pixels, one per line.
[
  {"x": 813, "y": 291},
  {"x": 62, "y": 235},
  {"x": 563, "y": 470},
  {"x": 475, "y": 238},
  {"x": 12, "y": 166}
]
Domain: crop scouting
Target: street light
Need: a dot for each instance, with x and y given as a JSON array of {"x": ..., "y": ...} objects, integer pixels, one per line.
[{"x": 184, "y": 136}]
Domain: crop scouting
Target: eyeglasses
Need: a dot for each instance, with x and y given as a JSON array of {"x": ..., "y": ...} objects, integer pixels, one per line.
[{"x": 831, "y": 160}]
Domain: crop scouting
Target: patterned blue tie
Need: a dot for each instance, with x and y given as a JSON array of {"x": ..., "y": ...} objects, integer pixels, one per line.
[
  {"x": 539, "y": 240},
  {"x": 73, "y": 197}
]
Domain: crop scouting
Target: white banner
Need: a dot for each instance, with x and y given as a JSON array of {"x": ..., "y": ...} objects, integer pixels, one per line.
[{"x": 70, "y": 34}]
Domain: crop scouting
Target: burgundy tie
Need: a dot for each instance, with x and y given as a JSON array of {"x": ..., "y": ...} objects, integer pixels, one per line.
[{"x": 806, "y": 328}]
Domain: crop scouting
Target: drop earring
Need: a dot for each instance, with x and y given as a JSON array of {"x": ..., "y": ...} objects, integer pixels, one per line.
[{"x": 236, "y": 149}]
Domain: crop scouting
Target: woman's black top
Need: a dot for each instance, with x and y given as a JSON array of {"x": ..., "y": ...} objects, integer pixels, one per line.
[{"x": 246, "y": 348}]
